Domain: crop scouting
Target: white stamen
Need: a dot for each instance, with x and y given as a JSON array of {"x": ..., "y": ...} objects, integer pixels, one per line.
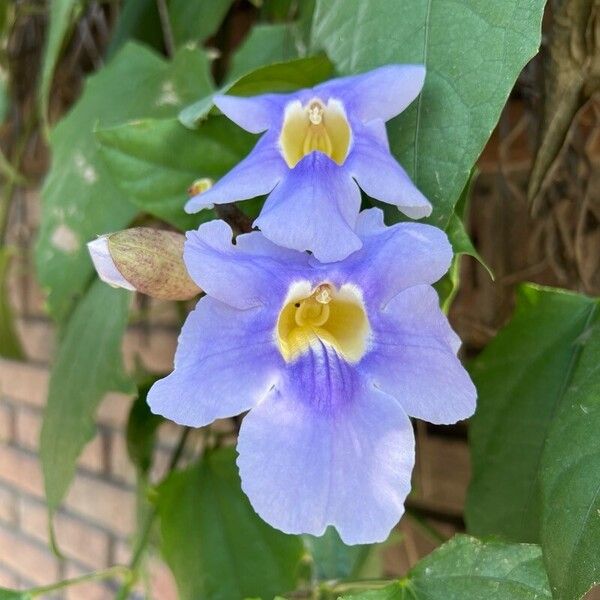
[{"x": 315, "y": 113}]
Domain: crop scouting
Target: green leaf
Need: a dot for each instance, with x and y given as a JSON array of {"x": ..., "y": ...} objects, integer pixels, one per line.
[
  {"x": 196, "y": 20},
  {"x": 332, "y": 559},
  {"x": 473, "y": 51},
  {"x": 215, "y": 544},
  {"x": 266, "y": 44},
  {"x": 10, "y": 346},
  {"x": 13, "y": 595},
  {"x": 534, "y": 438},
  {"x": 447, "y": 287},
  {"x": 520, "y": 377},
  {"x": 466, "y": 569},
  {"x": 88, "y": 365},
  {"x": 138, "y": 20},
  {"x": 4, "y": 98},
  {"x": 140, "y": 157},
  {"x": 279, "y": 77},
  {"x": 142, "y": 426},
  {"x": 80, "y": 198},
  {"x": 62, "y": 13}
]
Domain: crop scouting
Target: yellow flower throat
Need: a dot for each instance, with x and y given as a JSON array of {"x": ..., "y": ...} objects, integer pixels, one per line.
[
  {"x": 315, "y": 127},
  {"x": 327, "y": 315}
]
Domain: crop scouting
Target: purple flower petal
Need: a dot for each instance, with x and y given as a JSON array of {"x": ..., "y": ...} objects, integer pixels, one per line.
[
  {"x": 397, "y": 257},
  {"x": 219, "y": 347},
  {"x": 381, "y": 93},
  {"x": 256, "y": 175},
  {"x": 379, "y": 174},
  {"x": 327, "y": 449},
  {"x": 413, "y": 358},
  {"x": 250, "y": 273},
  {"x": 255, "y": 114},
  {"x": 314, "y": 208}
]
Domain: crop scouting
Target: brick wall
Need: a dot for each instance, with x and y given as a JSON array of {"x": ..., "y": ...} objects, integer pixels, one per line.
[
  {"x": 95, "y": 525},
  {"x": 97, "y": 519}
]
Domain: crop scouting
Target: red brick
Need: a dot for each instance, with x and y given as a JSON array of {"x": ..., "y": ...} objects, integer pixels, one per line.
[
  {"x": 24, "y": 382},
  {"x": 8, "y": 507},
  {"x": 8, "y": 580},
  {"x": 6, "y": 423},
  {"x": 114, "y": 410},
  {"x": 28, "y": 427},
  {"x": 21, "y": 470},
  {"x": 155, "y": 349},
  {"x": 121, "y": 467},
  {"x": 90, "y": 590},
  {"x": 162, "y": 581},
  {"x": 103, "y": 503},
  {"x": 442, "y": 473},
  {"x": 122, "y": 552},
  {"x": 75, "y": 538},
  {"x": 27, "y": 559},
  {"x": 38, "y": 339}
]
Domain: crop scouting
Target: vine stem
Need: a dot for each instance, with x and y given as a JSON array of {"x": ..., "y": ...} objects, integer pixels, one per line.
[
  {"x": 116, "y": 571},
  {"x": 134, "y": 565}
]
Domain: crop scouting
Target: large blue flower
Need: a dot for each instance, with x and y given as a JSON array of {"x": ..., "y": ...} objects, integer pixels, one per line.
[
  {"x": 319, "y": 143},
  {"x": 331, "y": 359}
]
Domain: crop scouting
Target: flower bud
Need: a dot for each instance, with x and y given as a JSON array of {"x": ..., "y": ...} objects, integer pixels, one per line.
[{"x": 143, "y": 259}]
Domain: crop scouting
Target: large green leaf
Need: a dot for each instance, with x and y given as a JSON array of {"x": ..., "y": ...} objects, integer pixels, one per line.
[
  {"x": 466, "y": 569},
  {"x": 140, "y": 157},
  {"x": 473, "y": 51},
  {"x": 10, "y": 346},
  {"x": 61, "y": 18},
  {"x": 279, "y": 77},
  {"x": 215, "y": 544},
  {"x": 195, "y": 20},
  {"x": 570, "y": 474},
  {"x": 265, "y": 44},
  {"x": 80, "y": 198},
  {"x": 534, "y": 438},
  {"x": 88, "y": 365}
]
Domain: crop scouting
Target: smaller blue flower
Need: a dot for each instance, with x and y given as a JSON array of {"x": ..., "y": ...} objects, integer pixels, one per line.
[
  {"x": 318, "y": 144},
  {"x": 330, "y": 360}
]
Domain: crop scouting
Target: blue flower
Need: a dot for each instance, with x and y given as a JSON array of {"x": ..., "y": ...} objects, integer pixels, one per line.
[
  {"x": 330, "y": 359},
  {"x": 318, "y": 144}
]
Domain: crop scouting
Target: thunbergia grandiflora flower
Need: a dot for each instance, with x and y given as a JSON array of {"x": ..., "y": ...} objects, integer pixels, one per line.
[
  {"x": 319, "y": 143},
  {"x": 330, "y": 359}
]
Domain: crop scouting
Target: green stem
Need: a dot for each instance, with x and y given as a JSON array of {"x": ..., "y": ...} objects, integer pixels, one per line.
[
  {"x": 117, "y": 571},
  {"x": 142, "y": 542}
]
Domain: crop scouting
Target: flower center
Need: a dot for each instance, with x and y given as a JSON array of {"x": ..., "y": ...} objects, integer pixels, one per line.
[
  {"x": 314, "y": 127},
  {"x": 323, "y": 314}
]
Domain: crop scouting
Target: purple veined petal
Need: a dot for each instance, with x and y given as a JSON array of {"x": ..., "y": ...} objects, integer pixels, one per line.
[
  {"x": 254, "y": 114},
  {"x": 381, "y": 93},
  {"x": 250, "y": 273},
  {"x": 219, "y": 347},
  {"x": 256, "y": 175},
  {"x": 379, "y": 174},
  {"x": 395, "y": 258},
  {"x": 413, "y": 358},
  {"x": 314, "y": 208},
  {"x": 325, "y": 449}
]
